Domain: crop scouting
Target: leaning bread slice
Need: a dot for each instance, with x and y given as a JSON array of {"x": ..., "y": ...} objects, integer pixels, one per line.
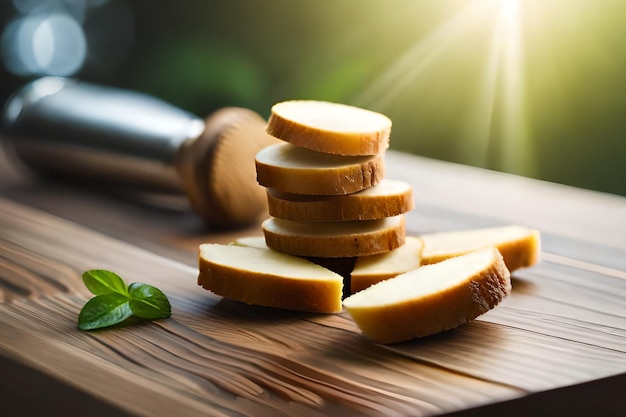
[
  {"x": 369, "y": 270},
  {"x": 335, "y": 239},
  {"x": 341, "y": 266},
  {"x": 268, "y": 278},
  {"x": 330, "y": 127},
  {"x": 292, "y": 169},
  {"x": 432, "y": 298},
  {"x": 520, "y": 246},
  {"x": 251, "y": 241},
  {"x": 386, "y": 199}
]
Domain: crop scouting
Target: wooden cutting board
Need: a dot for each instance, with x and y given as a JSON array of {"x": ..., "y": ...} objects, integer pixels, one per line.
[{"x": 564, "y": 323}]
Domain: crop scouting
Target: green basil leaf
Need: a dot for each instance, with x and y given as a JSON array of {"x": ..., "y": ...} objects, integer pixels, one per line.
[
  {"x": 103, "y": 311},
  {"x": 100, "y": 281},
  {"x": 148, "y": 302}
]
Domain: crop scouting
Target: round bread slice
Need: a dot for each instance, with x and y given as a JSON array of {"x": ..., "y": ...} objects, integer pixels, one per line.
[
  {"x": 268, "y": 278},
  {"x": 520, "y": 246},
  {"x": 388, "y": 198},
  {"x": 335, "y": 239},
  {"x": 288, "y": 168},
  {"x": 368, "y": 270},
  {"x": 432, "y": 298},
  {"x": 329, "y": 127}
]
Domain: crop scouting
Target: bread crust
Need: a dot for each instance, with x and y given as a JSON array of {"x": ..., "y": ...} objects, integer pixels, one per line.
[
  {"x": 369, "y": 270},
  {"x": 228, "y": 272},
  {"x": 388, "y": 198},
  {"x": 410, "y": 316},
  {"x": 335, "y": 239},
  {"x": 520, "y": 246},
  {"x": 291, "y": 169},
  {"x": 330, "y": 127}
]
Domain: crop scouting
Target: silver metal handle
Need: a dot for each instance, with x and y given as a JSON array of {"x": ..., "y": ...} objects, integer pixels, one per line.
[{"x": 77, "y": 129}]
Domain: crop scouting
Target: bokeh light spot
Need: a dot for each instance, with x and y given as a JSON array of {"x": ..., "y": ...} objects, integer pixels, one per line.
[{"x": 53, "y": 44}]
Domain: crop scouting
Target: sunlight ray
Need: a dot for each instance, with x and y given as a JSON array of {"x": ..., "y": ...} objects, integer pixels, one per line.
[
  {"x": 479, "y": 124},
  {"x": 411, "y": 65},
  {"x": 501, "y": 143},
  {"x": 515, "y": 155},
  {"x": 495, "y": 133}
]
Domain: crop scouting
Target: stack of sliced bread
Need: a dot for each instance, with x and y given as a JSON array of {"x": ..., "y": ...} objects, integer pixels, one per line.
[
  {"x": 336, "y": 229},
  {"x": 325, "y": 182}
]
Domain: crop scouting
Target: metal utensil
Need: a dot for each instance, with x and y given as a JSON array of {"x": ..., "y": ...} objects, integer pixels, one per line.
[{"x": 117, "y": 137}]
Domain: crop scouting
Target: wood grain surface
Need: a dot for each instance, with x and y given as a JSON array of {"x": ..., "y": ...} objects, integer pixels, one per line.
[{"x": 562, "y": 328}]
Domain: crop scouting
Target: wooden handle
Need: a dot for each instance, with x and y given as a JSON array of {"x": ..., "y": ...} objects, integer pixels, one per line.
[{"x": 218, "y": 169}]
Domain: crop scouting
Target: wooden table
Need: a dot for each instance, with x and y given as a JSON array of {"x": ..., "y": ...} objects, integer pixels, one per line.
[{"x": 556, "y": 346}]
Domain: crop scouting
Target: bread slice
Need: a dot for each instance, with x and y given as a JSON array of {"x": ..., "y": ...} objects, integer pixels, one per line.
[
  {"x": 329, "y": 127},
  {"x": 341, "y": 266},
  {"x": 268, "y": 278},
  {"x": 292, "y": 169},
  {"x": 432, "y": 298},
  {"x": 388, "y": 198},
  {"x": 335, "y": 239},
  {"x": 369, "y": 270},
  {"x": 520, "y": 246},
  {"x": 251, "y": 241}
]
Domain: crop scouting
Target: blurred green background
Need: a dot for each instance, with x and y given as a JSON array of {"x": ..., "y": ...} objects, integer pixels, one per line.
[{"x": 531, "y": 87}]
